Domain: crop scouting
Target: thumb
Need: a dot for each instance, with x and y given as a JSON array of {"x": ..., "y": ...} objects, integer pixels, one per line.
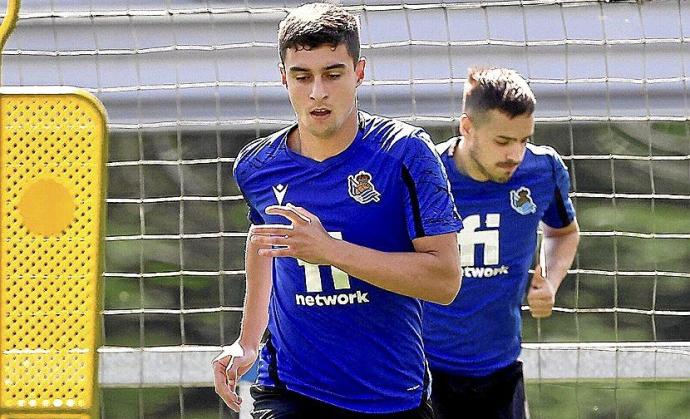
[
  {"x": 299, "y": 210},
  {"x": 232, "y": 357},
  {"x": 537, "y": 279},
  {"x": 238, "y": 365}
]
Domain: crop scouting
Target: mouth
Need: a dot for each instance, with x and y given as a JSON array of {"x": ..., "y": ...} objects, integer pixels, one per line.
[
  {"x": 508, "y": 166},
  {"x": 320, "y": 113}
]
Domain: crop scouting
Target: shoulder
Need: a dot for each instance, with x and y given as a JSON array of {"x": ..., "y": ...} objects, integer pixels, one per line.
[
  {"x": 397, "y": 138},
  {"x": 546, "y": 157},
  {"x": 255, "y": 154},
  {"x": 447, "y": 146}
]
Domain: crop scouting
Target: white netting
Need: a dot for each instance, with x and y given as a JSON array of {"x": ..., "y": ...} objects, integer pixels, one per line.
[{"x": 188, "y": 83}]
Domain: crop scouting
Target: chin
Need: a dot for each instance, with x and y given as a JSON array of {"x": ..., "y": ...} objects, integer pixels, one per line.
[
  {"x": 323, "y": 134},
  {"x": 502, "y": 179}
]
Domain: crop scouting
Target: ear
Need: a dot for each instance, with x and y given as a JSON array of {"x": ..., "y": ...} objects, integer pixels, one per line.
[
  {"x": 359, "y": 70},
  {"x": 283, "y": 76},
  {"x": 466, "y": 127}
]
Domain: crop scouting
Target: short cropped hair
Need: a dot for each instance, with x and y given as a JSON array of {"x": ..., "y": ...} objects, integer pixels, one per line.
[
  {"x": 501, "y": 89},
  {"x": 315, "y": 24}
]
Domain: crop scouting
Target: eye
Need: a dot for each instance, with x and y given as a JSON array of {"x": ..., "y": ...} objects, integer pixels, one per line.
[
  {"x": 333, "y": 76},
  {"x": 302, "y": 77}
]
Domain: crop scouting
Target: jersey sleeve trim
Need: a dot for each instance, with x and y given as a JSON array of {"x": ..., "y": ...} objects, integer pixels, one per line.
[
  {"x": 560, "y": 206},
  {"x": 414, "y": 201}
]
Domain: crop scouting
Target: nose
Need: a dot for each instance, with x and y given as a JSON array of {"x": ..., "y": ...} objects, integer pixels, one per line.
[
  {"x": 515, "y": 153},
  {"x": 318, "y": 90}
]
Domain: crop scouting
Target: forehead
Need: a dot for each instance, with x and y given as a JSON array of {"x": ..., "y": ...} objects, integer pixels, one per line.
[
  {"x": 317, "y": 58},
  {"x": 519, "y": 126}
]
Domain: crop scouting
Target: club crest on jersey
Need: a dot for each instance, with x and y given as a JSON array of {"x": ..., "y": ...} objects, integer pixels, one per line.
[
  {"x": 361, "y": 189},
  {"x": 521, "y": 201}
]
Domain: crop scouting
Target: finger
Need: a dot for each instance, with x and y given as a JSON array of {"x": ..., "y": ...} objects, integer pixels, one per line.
[
  {"x": 541, "y": 305},
  {"x": 540, "y": 314},
  {"x": 220, "y": 362},
  {"x": 537, "y": 292},
  {"x": 269, "y": 229},
  {"x": 225, "y": 391},
  {"x": 537, "y": 270},
  {"x": 231, "y": 379},
  {"x": 538, "y": 281},
  {"x": 276, "y": 253},
  {"x": 303, "y": 212},
  {"x": 288, "y": 212},
  {"x": 541, "y": 302},
  {"x": 269, "y": 241},
  {"x": 277, "y": 233},
  {"x": 225, "y": 375}
]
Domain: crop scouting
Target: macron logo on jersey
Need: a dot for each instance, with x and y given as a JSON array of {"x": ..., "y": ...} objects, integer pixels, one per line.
[
  {"x": 469, "y": 238},
  {"x": 279, "y": 191}
]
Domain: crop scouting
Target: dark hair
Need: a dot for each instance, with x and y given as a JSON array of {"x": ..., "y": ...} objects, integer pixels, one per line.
[
  {"x": 501, "y": 89},
  {"x": 316, "y": 24}
]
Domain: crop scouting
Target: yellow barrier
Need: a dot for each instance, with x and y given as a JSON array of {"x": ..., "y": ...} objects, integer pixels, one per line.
[{"x": 52, "y": 170}]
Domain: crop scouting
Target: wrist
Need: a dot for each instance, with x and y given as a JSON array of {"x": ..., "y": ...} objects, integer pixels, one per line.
[
  {"x": 247, "y": 344},
  {"x": 554, "y": 281},
  {"x": 334, "y": 252}
]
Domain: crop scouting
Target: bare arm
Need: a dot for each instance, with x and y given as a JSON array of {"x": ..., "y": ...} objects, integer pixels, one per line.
[
  {"x": 557, "y": 251},
  {"x": 559, "y": 246},
  {"x": 237, "y": 359},
  {"x": 257, "y": 295},
  {"x": 430, "y": 273}
]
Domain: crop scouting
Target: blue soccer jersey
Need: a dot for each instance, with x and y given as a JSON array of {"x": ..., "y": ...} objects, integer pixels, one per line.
[
  {"x": 479, "y": 332},
  {"x": 333, "y": 337}
]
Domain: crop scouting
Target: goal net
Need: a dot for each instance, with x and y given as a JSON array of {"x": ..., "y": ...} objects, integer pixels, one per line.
[{"x": 187, "y": 83}]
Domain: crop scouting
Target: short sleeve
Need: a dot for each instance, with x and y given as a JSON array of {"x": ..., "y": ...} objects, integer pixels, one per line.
[
  {"x": 430, "y": 209},
  {"x": 253, "y": 215},
  {"x": 561, "y": 211}
]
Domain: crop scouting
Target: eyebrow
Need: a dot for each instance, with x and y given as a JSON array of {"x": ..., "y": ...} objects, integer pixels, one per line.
[
  {"x": 296, "y": 69},
  {"x": 504, "y": 137}
]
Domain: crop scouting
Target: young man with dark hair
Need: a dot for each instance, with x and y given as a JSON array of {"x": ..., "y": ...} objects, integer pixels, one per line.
[
  {"x": 352, "y": 224},
  {"x": 504, "y": 188}
]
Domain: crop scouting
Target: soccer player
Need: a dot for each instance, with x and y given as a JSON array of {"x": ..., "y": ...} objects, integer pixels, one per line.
[
  {"x": 352, "y": 224},
  {"x": 504, "y": 187}
]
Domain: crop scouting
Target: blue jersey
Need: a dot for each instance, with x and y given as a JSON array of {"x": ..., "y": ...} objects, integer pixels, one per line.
[
  {"x": 479, "y": 332},
  {"x": 333, "y": 337}
]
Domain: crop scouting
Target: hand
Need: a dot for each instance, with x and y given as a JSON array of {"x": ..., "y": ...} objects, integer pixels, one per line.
[
  {"x": 228, "y": 367},
  {"x": 541, "y": 295},
  {"x": 304, "y": 239}
]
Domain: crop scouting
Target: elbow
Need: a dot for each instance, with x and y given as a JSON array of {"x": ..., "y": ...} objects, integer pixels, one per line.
[{"x": 450, "y": 286}]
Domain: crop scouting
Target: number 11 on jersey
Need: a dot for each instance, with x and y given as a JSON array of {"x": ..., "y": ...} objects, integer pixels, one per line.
[{"x": 341, "y": 280}]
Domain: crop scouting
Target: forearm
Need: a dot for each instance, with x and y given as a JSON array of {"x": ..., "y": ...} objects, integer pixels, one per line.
[
  {"x": 257, "y": 296},
  {"x": 429, "y": 275},
  {"x": 559, "y": 250}
]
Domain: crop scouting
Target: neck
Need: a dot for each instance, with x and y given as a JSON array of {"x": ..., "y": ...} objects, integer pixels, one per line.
[
  {"x": 465, "y": 163},
  {"x": 303, "y": 142}
]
